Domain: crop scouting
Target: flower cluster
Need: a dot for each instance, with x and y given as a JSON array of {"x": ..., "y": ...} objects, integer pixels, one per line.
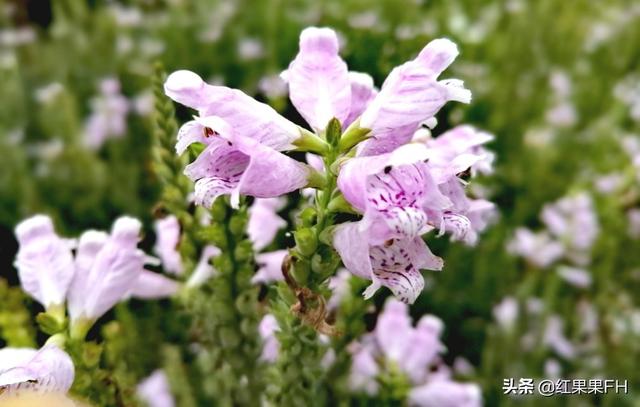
[
  {"x": 571, "y": 230},
  {"x": 90, "y": 275},
  {"x": 403, "y": 188},
  {"x": 395, "y": 345}
]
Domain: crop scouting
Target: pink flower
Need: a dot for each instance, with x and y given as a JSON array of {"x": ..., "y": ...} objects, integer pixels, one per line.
[
  {"x": 155, "y": 390},
  {"x": 270, "y": 346},
  {"x": 410, "y": 95},
  {"x": 506, "y": 313},
  {"x": 445, "y": 393},
  {"x": 426, "y": 338},
  {"x": 49, "y": 369},
  {"x": 538, "y": 248},
  {"x": 364, "y": 370},
  {"x": 340, "y": 288},
  {"x": 575, "y": 276},
  {"x": 248, "y": 117},
  {"x": 107, "y": 267},
  {"x": 151, "y": 286},
  {"x": 414, "y": 349},
  {"x": 44, "y": 261},
  {"x": 395, "y": 264},
  {"x": 393, "y": 329},
  {"x": 318, "y": 78},
  {"x": 204, "y": 270},
  {"x": 270, "y": 267},
  {"x": 573, "y": 221},
  {"x": 167, "y": 240},
  {"x": 109, "y": 115},
  {"x": 394, "y": 191},
  {"x": 264, "y": 221},
  {"x": 363, "y": 91},
  {"x": 235, "y": 164},
  {"x": 458, "y": 150},
  {"x": 555, "y": 339}
]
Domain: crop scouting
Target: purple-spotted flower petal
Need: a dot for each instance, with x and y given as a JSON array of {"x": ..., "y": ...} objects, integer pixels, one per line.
[
  {"x": 247, "y": 116},
  {"x": 270, "y": 267},
  {"x": 44, "y": 261},
  {"x": 155, "y": 390},
  {"x": 264, "y": 221},
  {"x": 117, "y": 264},
  {"x": 410, "y": 95},
  {"x": 394, "y": 191},
  {"x": 167, "y": 240},
  {"x": 319, "y": 85},
  {"x": 394, "y": 264},
  {"x": 49, "y": 369},
  {"x": 233, "y": 164}
]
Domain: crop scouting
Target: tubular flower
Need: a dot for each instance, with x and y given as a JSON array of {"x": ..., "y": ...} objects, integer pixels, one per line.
[
  {"x": 156, "y": 391},
  {"x": 410, "y": 95},
  {"x": 319, "y": 84},
  {"x": 247, "y": 116},
  {"x": 167, "y": 240},
  {"x": 107, "y": 268},
  {"x": 395, "y": 344},
  {"x": 394, "y": 191},
  {"x": 394, "y": 264},
  {"x": 403, "y": 195},
  {"x": 264, "y": 221},
  {"x": 49, "y": 369},
  {"x": 44, "y": 261},
  {"x": 270, "y": 267},
  {"x": 166, "y": 247},
  {"x": 235, "y": 164}
]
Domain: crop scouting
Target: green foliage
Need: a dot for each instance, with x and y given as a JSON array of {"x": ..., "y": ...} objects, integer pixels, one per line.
[{"x": 16, "y": 327}]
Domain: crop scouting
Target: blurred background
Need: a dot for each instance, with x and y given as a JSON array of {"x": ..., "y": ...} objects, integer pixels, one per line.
[{"x": 551, "y": 289}]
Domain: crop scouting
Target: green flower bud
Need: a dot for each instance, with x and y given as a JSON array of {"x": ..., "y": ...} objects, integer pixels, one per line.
[
  {"x": 306, "y": 241},
  {"x": 237, "y": 225},
  {"x": 308, "y": 216}
]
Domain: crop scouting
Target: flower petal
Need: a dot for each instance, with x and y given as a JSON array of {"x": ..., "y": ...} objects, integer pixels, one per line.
[
  {"x": 189, "y": 133},
  {"x": 269, "y": 173},
  {"x": 167, "y": 241},
  {"x": 445, "y": 393},
  {"x": 393, "y": 329},
  {"x": 270, "y": 267},
  {"x": 396, "y": 266},
  {"x": 318, "y": 79},
  {"x": 204, "y": 270},
  {"x": 115, "y": 270},
  {"x": 246, "y": 115},
  {"x": 264, "y": 221},
  {"x": 410, "y": 95},
  {"x": 150, "y": 285},
  {"x": 217, "y": 171},
  {"x": 155, "y": 390},
  {"x": 362, "y": 92},
  {"x": 44, "y": 261},
  {"x": 49, "y": 370},
  {"x": 353, "y": 247}
]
